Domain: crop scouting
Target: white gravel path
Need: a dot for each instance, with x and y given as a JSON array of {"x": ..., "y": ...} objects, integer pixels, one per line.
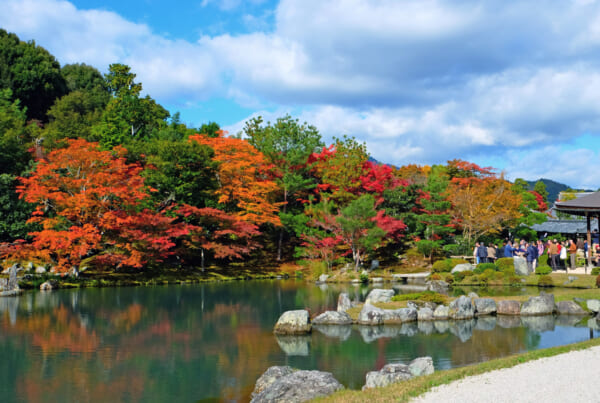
[{"x": 569, "y": 377}]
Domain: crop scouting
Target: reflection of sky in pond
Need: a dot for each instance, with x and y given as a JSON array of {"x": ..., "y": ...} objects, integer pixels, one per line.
[{"x": 565, "y": 335}]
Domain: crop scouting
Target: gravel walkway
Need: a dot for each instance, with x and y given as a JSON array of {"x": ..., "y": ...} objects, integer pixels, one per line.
[{"x": 569, "y": 377}]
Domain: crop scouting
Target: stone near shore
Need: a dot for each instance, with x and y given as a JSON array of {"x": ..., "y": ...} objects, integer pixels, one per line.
[
  {"x": 370, "y": 315},
  {"x": 540, "y": 305},
  {"x": 281, "y": 385},
  {"x": 484, "y": 306},
  {"x": 332, "y": 318},
  {"x": 593, "y": 305},
  {"x": 49, "y": 285},
  {"x": 379, "y": 295},
  {"x": 392, "y": 373},
  {"x": 401, "y": 315},
  {"x": 293, "y": 322},
  {"x": 323, "y": 278},
  {"x": 425, "y": 314},
  {"x": 508, "y": 307},
  {"x": 344, "y": 302},
  {"x": 462, "y": 267},
  {"x": 439, "y": 286},
  {"x": 461, "y": 308},
  {"x": 442, "y": 312},
  {"x": 569, "y": 308}
]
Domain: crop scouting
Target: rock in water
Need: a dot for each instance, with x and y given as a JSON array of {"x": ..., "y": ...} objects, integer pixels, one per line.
[
  {"x": 332, "y": 318},
  {"x": 344, "y": 302},
  {"x": 508, "y": 307},
  {"x": 442, "y": 312},
  {"x": 379, "y": 295},
  {"x": 370, "y": 315},
  {"x": 569, "y": 308},
  {"x": 269, "y": 376},
  {"x": 484, "y": 306},
  {"x": 392, "y": 373},
  {"x": 439, "y": 286},
  {"x": 323, "y": 278},
  {"x": 542, "y": 305},
  {"x": 293, "y": 322},
  {"x": 461, "y": 308},
  {"x": 424, "y": 314},
  {"x": 49, "y": 285},
  {"x": 593, "y": 305},
  {"x": 298, "y": 386}
]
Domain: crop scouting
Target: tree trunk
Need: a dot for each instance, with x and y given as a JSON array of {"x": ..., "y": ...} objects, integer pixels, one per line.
[
  {"x": 202, "y": 259},
  {"x": 280, "y": 243}
]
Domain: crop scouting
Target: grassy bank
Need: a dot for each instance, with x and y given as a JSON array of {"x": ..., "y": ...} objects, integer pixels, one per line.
[{"x": 403, "y": 391}]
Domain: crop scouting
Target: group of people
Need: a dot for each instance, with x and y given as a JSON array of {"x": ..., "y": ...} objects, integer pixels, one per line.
[{"x": 531, "y": 251}]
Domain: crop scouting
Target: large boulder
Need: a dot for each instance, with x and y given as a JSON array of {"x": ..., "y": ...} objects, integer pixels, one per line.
[
  {"x": 49, "y": 285},
  {"x": 484, "y": 306},
  {"x": 379, "y": 295},
  {"x": 461, "y": 308},
  {"x": 462, "y": 267},
  {"x": 540, "y": 305},
  {"x": 508, "y": 307},
  {"x": 344, "y": 302},
  {"x": 442, "y": 312},
  {"x": 370, "y": 315},
  {"x": 439, "y": 286},
  {"x": 425, "y": 314},
  {"x": 332, "y": 318},
  {"x": 298, "y": 386},
  {"x": 293, "y": 322},
  {"x": 569, "y": 308},
  {"x": 593, "y": 305},
  {"x": 520, "y": 266},
  {"x": 401, "y": 315},
  {"x": 269, "y": 377},
  {"x": 323, "y": 278},
  {"x": 392, "y": 373}
]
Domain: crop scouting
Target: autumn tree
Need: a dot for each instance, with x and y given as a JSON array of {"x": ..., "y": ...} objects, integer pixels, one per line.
[
  {"x": 88, "y": 205},
  {"x": 481, "y": 202},
  {"x": 244, "y": 188},
  {"x": 287, "y": 145}
]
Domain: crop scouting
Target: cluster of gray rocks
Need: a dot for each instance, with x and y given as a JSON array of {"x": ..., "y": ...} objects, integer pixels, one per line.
[
  {"x": 292, "y": 385},
  {"x": 285, "y": 384}
]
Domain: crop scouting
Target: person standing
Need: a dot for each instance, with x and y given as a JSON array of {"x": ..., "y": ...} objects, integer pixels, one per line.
[
  {"x": 482, "y": 253},
  {"x": 563, "y": 255},
  {"x": 491, "y": 253},
  {"x": 553, "y": 254},
  {"x": 572, "y": 253},
  {"x": 508, "y": 250},
  {"x": 531, "y": 256},
  {"x": 475, "y": 255}
]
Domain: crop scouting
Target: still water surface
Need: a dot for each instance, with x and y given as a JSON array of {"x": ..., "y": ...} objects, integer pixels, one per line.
[{"x": 211, "y": 342}]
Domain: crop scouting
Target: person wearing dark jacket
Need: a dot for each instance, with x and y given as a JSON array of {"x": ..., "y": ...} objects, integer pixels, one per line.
[
  {"x": 482, "y": 253},
  {"x": 531, "y": 254},
  {"x": 508, "y": 250}
]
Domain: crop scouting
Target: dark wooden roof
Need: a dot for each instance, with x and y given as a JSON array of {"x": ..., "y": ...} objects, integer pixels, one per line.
[
  {"x": 585, "y": 205},
  {"x": 564, "y": 226}
]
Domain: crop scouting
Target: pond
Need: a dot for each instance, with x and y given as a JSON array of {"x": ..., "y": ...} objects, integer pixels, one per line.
[{"x": 211, "y": 342}]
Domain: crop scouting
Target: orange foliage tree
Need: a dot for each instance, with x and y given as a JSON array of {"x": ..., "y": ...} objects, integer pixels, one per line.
[
  {"x": 481, "y": 202},
  {"x": 88, "y": 203},
  {"x": 244, "y": 185}
]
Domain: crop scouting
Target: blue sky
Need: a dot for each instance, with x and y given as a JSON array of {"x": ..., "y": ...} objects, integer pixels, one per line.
[{"x": 514, "y": 85}]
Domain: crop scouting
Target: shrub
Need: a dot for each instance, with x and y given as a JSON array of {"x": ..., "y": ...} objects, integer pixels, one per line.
[
  {"x": 482, "y": 267},
  {"x": 596, "y": 271},
  {"x": 455, "y": 261},
  {"x": 460, "y": 276},
  {"x": 514, "y": 281},
  {"x": 543, "y": 270},
  {"x": 425, "y": 296},
  {"x": 449, "y": 278},
  {"x": 509, "y": 271},
  {"x": 504, "y": 263},
  {"x": 364, "y": 278},
  {"x": 543, "y": 260},
  {"x": 441, "y": 266},
  {"x": 545, "y": 281},
  {"x": 435, "y": 276},
  {"x": 598, "y": 281}
]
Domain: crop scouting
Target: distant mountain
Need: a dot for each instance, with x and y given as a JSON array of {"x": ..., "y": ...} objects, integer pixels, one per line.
[{"x": 553, "y": 188}]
